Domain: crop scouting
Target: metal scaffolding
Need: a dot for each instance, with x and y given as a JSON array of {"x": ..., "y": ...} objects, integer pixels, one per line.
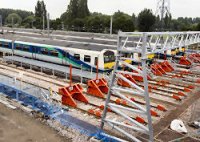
[{"x": 144, "y": 44}]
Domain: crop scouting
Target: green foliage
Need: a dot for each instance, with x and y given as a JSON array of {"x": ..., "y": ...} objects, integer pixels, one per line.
[
  {"x": 77, "y": 24},
  {"x": 95, "y": 23},
  {"x": 158, "y": 23},
  {"x": 56, "y": 24},
  {"x": 123, "y": 22},
  {"x": 167, "y": 21},
  {"x": 72, "y": 12},
  {"x": 134, "y": 19},
  {"x": 76, "y": 9},
  {"x": 198, "y": 27},
  {"x": 40, "y": 11},
  {"x": 146, "y": 20},
  {"x": 13, "y": 19},
  {"x": 28, "y": 21},
  {"x": 83, "y": 10},
  {"x": 5, "y": 12},
  {"x": 184, "y": 24}
]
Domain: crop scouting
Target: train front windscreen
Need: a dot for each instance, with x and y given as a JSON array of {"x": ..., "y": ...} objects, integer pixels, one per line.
[{"x": 109, "y": 59}]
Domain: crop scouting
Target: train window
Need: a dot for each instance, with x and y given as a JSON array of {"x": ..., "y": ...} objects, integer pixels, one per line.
[
  {"x": 95, "y": 61},
  {"x": 65, "y": 54},
  {"x": 87, "y": 58},
  {"x": 18, "y": 47},
  {"x": 149, "y": 50},
  {"x": 6, "y": 45},
  {"x": 44, "y": 51},
  {"x": 127, "y": 55},
  {"x": 109, "y": 56},
  {"x": 1, "y": 44},
  {"x": 53, "y": 53},
  {"x": 26, "y": 48},
  {"x": 77, "y": 56},
  {"x": 34, "y": 49}
]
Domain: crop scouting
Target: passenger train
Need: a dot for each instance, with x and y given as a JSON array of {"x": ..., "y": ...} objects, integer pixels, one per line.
[
  {"x": 87, "y": 59},
  {"x": 61, "y": 55}
]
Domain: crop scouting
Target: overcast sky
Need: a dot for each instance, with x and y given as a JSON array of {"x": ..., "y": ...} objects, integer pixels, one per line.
[{"x": 179, "y": 8}]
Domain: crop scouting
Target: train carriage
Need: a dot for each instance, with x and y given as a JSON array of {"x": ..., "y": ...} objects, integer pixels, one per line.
[
  {"x": 79, "y": 55},
  {"x": 6, "y": 45},
  {"x": 86, "y": 59}
]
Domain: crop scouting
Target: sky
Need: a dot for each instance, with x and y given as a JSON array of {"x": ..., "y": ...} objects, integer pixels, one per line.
[{"x": 179, "y": 8}]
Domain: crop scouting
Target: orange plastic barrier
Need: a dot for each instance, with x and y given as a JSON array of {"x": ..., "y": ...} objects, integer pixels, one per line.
[
  {"x": 184, "y": 61},
  {"x": 198, "y": 80},
  {"x": 154, "y": 113},
  {"x": 157, "y": 69},
  {"x": 72, "y": 92},
  {"x": 166, "y": 66},
  {"x": 195, "y": 57},
  {"x": 102, "y": 108},
  {"x": 120, "y": 102},
  {"x": 191, "y": 87},
  {"x": 139, "y": 78},
  {"x": 97, "y": 87},
  {"x": 176, "y": 97},
  {"x": 187, "y": 89},
  {"x": 140, "y": 120},
  {"x": 124, "y": 83},
  {"x": 181, "y": 94},
  {"x": 95, "y": 112},
  {"x": 161, "y": 108}
]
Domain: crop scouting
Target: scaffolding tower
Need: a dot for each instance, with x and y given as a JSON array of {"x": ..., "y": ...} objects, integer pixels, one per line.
[{"x": 144, "y": 44}]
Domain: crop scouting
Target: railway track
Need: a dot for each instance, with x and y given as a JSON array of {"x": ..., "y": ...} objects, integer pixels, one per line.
[
  {"x": 29, "y": 78},
  {"x": 60, "y": 83},
  {"x": 160, "y": 91}
]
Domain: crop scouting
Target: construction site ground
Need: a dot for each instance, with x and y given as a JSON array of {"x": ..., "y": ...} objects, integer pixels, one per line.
[
  {"x": 162, "y": 132},
  {"x": 17, "y": 126}
]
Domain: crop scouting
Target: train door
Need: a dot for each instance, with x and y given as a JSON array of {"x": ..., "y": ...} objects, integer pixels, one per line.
[
  {"x": 34, "y": 51},
  {"x": 96, "y": 61},
  {"x": 65, "y": 58}
]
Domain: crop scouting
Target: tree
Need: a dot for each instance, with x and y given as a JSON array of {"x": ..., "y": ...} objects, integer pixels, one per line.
[
  {"x": 72, "y": 12},
  {"x": 167, "y": 21},
  {"x": 78, "y": 24},
  {"x": 157, "y": 24},
  {"x": 94, "y": 23},
  {"x": 77, "y": 11},
  {"x": 146, "y": 20},
  {"x": 134, "y": 18},
  {"x": 123, "y": 22},
  {"x": 5, "y": 12},
  {"x": 56, "y": 24},
  {"x": 40, "y": 11},
  {"x": 97, "y": 22},
  {"x": 198, "y": 27},
  {"x": 28, "y": 22},
  {"x": 83, "y": 10},
  {"x": 14, "y": 19}
]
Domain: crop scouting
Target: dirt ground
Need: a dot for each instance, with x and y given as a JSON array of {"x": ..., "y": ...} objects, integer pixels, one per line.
[
  {"x": 16, "y": 126},
  {"x": 190, "y": 110}
]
